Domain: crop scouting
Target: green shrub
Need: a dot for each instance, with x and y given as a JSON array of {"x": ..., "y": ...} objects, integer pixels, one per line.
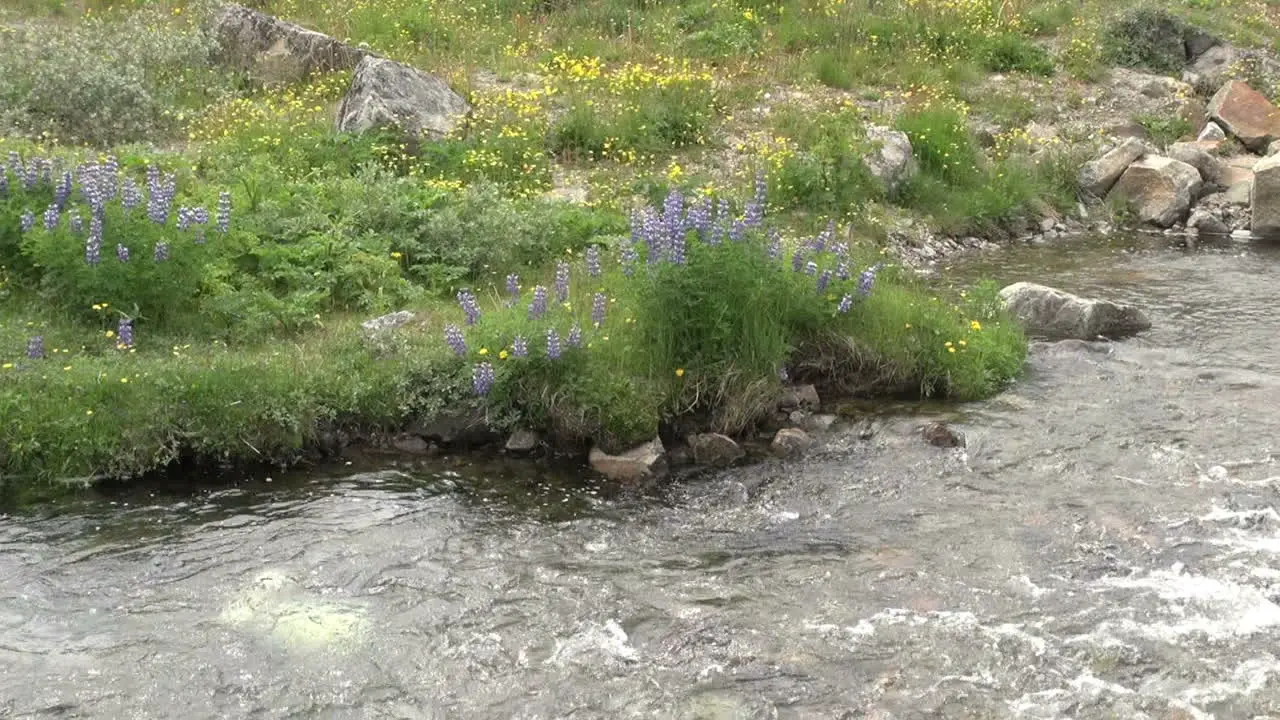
[
  {"x": 1147, "y": 37},
  {"x": 1009, "y": 52},
  {"x": 941, "y": 143},
  {"x": 826, "y": 174},
  {"x": 104, "y": 81},
  {"x": 1165, "y": 130}
]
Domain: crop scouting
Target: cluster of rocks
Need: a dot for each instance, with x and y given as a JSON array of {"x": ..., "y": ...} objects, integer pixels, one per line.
[
  {"x": 383, "y": 92},
  {"x": 1202, "y": 185},
  {"x": 790, "y": 434}
]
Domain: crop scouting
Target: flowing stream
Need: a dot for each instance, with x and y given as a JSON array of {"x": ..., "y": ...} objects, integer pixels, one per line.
[{"x": 1107, "y": 546}]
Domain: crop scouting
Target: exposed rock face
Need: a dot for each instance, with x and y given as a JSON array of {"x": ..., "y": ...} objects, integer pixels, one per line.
[
  {"x": 1246, "y": 114},
  {"x": 1221, "y": 63},
  {"x": 1265, "y": 199},
  {"x": 1159, "y": 190},
  {"x": 715, "y": 450},
  {"x": 1152, "y": 86},
  {"x": 1099, "y": 175},
  {"x": 385, "y": 93},
  {"x": 790, "y": 442},
  {"x": 647, "y": 462},
  {"x": 891, "y": 161},
  {"x": 275, "y": 51},
  {"x": 1053, "y": 313}
]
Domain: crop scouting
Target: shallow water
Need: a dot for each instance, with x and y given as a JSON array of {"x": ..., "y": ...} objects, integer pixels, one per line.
[{"x": 1107, "y": 546}]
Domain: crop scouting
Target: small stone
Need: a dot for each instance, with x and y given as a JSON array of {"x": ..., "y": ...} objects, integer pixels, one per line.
[
  {"x": 1212, "y": 132},
  {"x": 800, "y": 397},
  {"x": 1205, "y": 222},
  {"x": 523, "y": 441},
  {"x": 646, "y": 462},
  {"x": 891, "y": 160},
  {"x": 940, "y": 435},
  {"x": 790, "y": 442},
  {"x": 715, "y": 450}
]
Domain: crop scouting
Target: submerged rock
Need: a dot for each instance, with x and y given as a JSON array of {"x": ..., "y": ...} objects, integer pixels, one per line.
[
  {"x": 1098, "y": 176},
  {"x": 385, "y": 93},
  {"x": 1053, "y": 313},
  {"x": 274, "y": 51},
  {"x": 1159, "y": 190},
  {"x": 1264, "y": 200},
  {"x": 715, "y": 450},
  {"x": 790, "y": 442},
  {"x": 800, "y": 397},
  {"x": 892, "y": 161},
  {"x": 646, "y": 462},
  {"x": 1246, "y": 114},
  {"x": 274, "y": 605},
  {"x": 941, "y": 435}
]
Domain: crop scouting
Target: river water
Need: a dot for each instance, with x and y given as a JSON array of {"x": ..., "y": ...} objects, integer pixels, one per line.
[{"x": 1107, "y": 546}]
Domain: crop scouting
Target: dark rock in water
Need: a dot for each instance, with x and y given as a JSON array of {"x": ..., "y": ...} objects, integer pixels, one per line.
[
  {"x": 523, "y": 441},
  {"x": 680, "y": 456},
  {"x": 385, "y": 93},
  {"x": 1053, "y": 313},
  {"x": 412, "y": 445},
  {"x": 800, "y": 397},
  {"x": 274, "y": 51},
  {"x": 790, "y": 442},
  {"x": 715, "y": 450},
  {"x": 940, "y": 435},
  {"x": 465, "y": 427},
  {"x": 646, "y": 462}
]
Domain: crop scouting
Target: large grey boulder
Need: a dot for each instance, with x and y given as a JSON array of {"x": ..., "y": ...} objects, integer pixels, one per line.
[
  {"x": 1159, "y": 190},
  {"x": 1246, "y": 114},
  {"x": 646, "y": 462},
  {"x": 274, "y": 51},
  {"x": 891, "y": 160},
  {"x": 1098, "y": 175},
  {"x": 1050, "y": 312},
  {"x": 1264, "y": 201},
  {"x": 385, "y": 93},
  {"x": 1196, "y": 154},
  {"x": 715, "y": 450}
]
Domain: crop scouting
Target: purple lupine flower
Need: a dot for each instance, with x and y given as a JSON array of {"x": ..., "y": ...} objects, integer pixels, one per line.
[
  {"x": 811, "y": 268},
  {"x": 62, "y": 193},
  {"x": 797, "y": 261},
  {"x": 823, "y": 281},
  {"x": 46, "y": 171},
  {"x": 15, "y": 163},
  {"x": 76, "y": 223},
  {"x": 562, "y": 281},
  {"x": 224, "y": 211},
  {"x": 122, "y": 253},
  {"x": 553, "y": 344},
  {"x": 513, "y": 288},
  {"x": 184, "y": 218},
  {"x": 718, "y": 231},
  {"x": 32, "y": 177},
  {"x": 841, "y": 249},
  {"x": 93, "y": 244},
  {"x": 35, "y": 347},
  {"x": 673, "y": 211},
  {"x": 868, "y": 279},
  {"x": 453, "y": 337},
  {"x": 775, "y": 244},
  {"x": 843, "y": 272},
  {"x": 754, "y": 214},
  {"x": 27, "y": 221},
  {"x": 467, "y": 300},
  {"x": 675, "y": 250},
  {"x": 111, "y": 177},
  {"x": 4, "y": 182},
  {"x": 699, "y": 218},
  {"x": 200, "y": 215},
  {"x": 846, "y": 302},
  {"x": 737, "y": 231},
  {"x": 599, "y": 305},
  {"x": 575, "y": 336},
  {"x": 51, "y": 216},
  {"x": 628, "y": 261},
  {"x": 124, "y": 334},
  {"x": 820, "y": 242},
  {"x": 723, "y": 210},
  {"x": 520, "y": 346},
  {"x": 130, "y": 194},
  {"x": 482, "y": 378},
  {"x": 538, "y": 305},
  {"x": 593, "y": 260},
  {"x": 161, "y": 252},
  {"x": 655, "y": 238}
]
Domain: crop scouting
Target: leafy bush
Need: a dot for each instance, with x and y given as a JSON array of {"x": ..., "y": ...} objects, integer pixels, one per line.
[
  {"x": 1147, "y": 37},
  {"x": 104, "y": 81},
  {"x": 1166, "y": 129},
  {"x": 825, "y": 172},
  {"x": 1008, "y": 52}
]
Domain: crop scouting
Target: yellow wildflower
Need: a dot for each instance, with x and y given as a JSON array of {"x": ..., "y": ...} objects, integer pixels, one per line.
[
  {"x": 975, "y": 325},
  {"x": 679, "y": 372}
]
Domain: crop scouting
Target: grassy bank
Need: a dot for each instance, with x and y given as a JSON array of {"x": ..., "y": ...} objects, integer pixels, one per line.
[{"x": 187, "y": 255}]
